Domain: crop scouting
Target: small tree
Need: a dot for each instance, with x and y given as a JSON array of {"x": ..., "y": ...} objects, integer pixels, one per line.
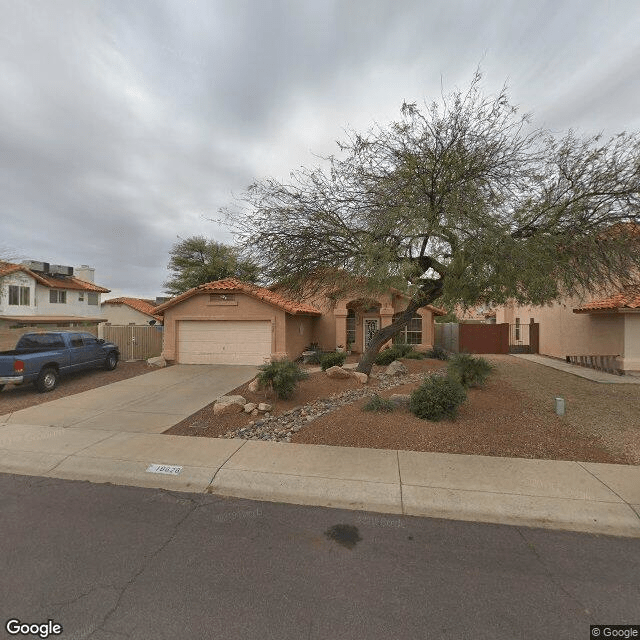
[
  {"x": 197, "y": 260},
  {"x": 461, "y": 203}
]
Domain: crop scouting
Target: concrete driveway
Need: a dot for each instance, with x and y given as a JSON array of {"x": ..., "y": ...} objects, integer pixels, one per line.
[{"x": 150, "y": 403}]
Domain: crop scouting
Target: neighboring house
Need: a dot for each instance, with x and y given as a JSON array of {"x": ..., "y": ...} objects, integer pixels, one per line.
[
  {"x": 233, "y": 322},
  {"x": 602, "y": 331},
  {"x": 138, "y": 311},
  {"x": 38, "y": 294}
]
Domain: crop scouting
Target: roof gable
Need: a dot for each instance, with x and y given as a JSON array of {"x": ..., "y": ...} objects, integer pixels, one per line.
[
  {"x": 237, "y": 286},
  {"x": 50, "y": 281},
  {"x": 628, "y": 298}
]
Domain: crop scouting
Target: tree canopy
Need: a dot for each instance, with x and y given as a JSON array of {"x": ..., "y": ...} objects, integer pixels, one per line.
[
  {"x": 460, "y": 201},
  {"x": 197, "y": 259}
]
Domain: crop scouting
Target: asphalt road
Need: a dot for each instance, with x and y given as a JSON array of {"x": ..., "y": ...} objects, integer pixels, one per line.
[{"x": 109, "y": 562}]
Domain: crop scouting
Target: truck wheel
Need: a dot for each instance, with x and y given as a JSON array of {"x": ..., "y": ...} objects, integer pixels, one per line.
[
  {"x": 47, "y": 380},
  {"x": 111, "y": 362}
]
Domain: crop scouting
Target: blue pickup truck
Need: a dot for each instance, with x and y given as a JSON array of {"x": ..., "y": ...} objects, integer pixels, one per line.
[{"x": 43, "y": 357}]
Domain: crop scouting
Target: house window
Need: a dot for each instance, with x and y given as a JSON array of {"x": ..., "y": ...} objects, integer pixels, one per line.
[
  {"x": 411, "y": 333},
  {"x": 81, "y": 296},
  {"x": 351, "y": 327},
  {"x": 92, "y": 298},
  {"x": 57, "y": 297},
  {"x": 19, "y": 295},
  {"x": 517, "y": 328}
]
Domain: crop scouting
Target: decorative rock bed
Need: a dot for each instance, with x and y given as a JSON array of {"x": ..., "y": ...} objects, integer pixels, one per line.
[{"x": 281, "y": 428}]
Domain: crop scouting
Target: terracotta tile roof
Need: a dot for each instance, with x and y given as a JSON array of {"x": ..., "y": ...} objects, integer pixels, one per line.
[
  {"x": 147, "y": 307},
  {"x": 628, "y": 298},
  {"x": 53, "y": 282},
  {"x": 231, "y": 284}
]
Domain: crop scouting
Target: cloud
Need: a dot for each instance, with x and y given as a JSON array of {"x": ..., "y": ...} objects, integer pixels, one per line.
[{"x": 125, "y": 125}]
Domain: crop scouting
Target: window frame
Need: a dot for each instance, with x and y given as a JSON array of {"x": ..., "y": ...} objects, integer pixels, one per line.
[
  {"x": 20, "y": 294},
  {"x": 60, "y": 296}
]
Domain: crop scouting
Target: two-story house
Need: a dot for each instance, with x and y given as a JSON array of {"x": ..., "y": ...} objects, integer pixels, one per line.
[{"x": 46, "y": 296}]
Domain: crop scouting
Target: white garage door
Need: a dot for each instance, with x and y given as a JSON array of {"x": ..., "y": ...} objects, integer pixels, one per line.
[{"x": 224, "y": 342}]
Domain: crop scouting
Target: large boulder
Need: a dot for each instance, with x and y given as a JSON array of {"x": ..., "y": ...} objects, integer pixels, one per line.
[
  {"x": 361, "y": 377},
  {"x": 338, "y": 373},
  {"x": 254, "y": 386},
  {"x": 263, "y": 406},
  {"x": 249, "y": 407},
  {"x": 229, "y": 404},
  {"x": 400, "y": 399},
  {"x": 159, "y": 361},
  {"x": 396, "y": 368}
]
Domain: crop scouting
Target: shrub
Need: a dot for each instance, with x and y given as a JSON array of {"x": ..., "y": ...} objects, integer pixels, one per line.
[
  {"x": 282, "y": 377},
  {"x": 395, "y": 352},
  {"x": 436, "y": 398},
  {"x": 415, "y": 355},
  {"x": 469, "y": 371},
  {"x": 332, "y": 359},
  {"x": 376, "y": 403},
  {"x": 438, "y": 353},
  {"x": 315, "y": 358}
]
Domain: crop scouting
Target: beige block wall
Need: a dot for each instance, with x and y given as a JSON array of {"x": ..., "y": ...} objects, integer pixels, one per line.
[
  {"x": 9, "y": 336},
  {"x": 564, "y": 333},
  {"x": 244, "y": 308}
]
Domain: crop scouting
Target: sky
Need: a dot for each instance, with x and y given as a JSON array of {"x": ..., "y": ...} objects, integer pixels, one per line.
[{"x": 127, "y": 125}]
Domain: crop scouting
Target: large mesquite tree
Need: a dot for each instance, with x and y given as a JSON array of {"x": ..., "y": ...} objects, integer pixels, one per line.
[{"x": 459, "y": 202}]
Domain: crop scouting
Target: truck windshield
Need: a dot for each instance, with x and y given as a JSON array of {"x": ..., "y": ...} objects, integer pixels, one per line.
[{"x": 36, "y": 341}]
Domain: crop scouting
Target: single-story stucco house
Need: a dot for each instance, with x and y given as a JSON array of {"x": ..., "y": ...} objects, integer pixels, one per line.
[
  {"x": 125, "y": 310},
  {"x": 597, "y": 330},
  {"x": 233, "y": 322}
]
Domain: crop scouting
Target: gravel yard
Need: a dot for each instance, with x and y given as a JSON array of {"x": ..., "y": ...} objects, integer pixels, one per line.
[
  {"x": 513, "y": 416},
  {"x": 15, "y": 397}
]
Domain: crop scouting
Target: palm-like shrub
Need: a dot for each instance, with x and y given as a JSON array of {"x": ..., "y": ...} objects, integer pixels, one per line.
[
  {"x": 282, "y": 377},
  {"x": 470, "y": 371}
]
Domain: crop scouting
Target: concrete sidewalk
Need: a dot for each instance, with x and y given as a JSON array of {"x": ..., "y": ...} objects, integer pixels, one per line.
[
  {"x": 576, "y": 370},
  {"x": 149, "y": 403},
  {"x": 595, "y": 498}
]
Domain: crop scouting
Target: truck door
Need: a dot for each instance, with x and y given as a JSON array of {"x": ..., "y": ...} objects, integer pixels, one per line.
[{"x": 94, "y": 352}]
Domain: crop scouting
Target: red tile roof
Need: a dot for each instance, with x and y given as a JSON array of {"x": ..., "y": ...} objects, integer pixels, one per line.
[
  {"x": 231, "y": 284},
  {"x": 147, "y": 307},
  {"x": 628, "y": 298},
  {"x": 53, "y": 282}
]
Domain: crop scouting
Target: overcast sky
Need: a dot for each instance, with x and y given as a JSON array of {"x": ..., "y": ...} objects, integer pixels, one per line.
[{"x": 127, "y": 124}]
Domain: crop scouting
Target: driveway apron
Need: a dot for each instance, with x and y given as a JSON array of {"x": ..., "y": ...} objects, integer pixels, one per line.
[{"x": 150, "y": 403}]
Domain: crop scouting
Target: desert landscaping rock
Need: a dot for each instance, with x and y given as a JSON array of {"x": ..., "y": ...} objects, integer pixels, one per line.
[
  {"x": 400, "y": 399},
  {"x": 229, "y": 404},
  {"x": 281, "y": 428},
  {"x": 159, "y": 361},
  {"x": 254, "y": 386},
  {"x": 396, "y": 368},
  {"x": 249, "y": 407},
  {"x": 263, "y": 406},
  {"x": 361, "y": 377},
  {"x": 338, "y": 373}
]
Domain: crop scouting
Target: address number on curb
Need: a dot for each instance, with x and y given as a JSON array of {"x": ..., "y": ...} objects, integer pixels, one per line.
[{"x": 169, "y": 469}]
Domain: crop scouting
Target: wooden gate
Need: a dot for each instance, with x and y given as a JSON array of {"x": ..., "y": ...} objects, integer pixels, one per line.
[
  {"x": 484, "y": 338},
  {"x": 136, "y": 342}
]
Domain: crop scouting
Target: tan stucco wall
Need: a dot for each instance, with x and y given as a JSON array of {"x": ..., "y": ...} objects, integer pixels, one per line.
[
  {"x": 564, "y": 333},
  {"x": 300, "y": 332},
  {"x": 123, "y": 314},
  {"x": 246, "y": 308},
  {"x": 631, "y": 360}
]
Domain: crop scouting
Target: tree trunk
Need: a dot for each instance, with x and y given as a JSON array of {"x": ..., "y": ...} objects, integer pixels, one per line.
[{"x": 385, "y": 334}]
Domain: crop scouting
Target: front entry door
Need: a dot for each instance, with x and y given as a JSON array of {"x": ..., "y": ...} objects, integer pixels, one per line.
[{"x": 371, "y": 327}]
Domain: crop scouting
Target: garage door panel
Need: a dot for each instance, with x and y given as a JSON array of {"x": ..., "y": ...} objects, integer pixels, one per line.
[{"x": 224, "y": 342}]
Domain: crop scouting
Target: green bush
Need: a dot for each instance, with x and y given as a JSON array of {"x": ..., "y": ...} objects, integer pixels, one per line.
[
  {"x": 376, "y": 403},
  {"x": 315, "y": 358},
  {"x": 468, "y": 370},
  {"x": 282, "y": 377},
  {"x": 436, "y": 398},
  {"x": 415, "y": 355},
  {"x": 395, "y": 352},
  {"x": 332, "y": 359},
  {"x": 438, "y": 353}
]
